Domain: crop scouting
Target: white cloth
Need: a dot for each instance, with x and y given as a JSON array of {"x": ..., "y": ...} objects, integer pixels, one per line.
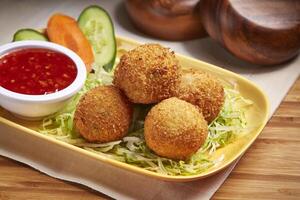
[{"x": 114, "y": 182}]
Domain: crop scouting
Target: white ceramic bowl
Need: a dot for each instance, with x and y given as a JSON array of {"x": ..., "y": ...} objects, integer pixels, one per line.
[{"x": 37, "y": 106}]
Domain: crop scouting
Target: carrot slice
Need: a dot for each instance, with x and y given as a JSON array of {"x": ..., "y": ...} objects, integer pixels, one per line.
[{"x": 63, "y": 30}]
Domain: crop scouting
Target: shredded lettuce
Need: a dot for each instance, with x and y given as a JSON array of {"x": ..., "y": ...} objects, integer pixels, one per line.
[
  {"x": 230, "y": 124},
  {"x": 132, "y": 149}
]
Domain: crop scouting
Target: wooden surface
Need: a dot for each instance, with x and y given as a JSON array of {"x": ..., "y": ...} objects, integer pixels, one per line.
[
  {"x": 270, "y": 169},
  {"x": 259, "y": 31}
]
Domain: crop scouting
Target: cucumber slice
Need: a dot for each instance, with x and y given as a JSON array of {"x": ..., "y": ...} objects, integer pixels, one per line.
[
  {"x": 97, "y": 26},
  {"x": 29, "y": 34}
]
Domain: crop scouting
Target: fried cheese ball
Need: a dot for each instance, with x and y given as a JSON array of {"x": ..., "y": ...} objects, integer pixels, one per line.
[
  {"x": 148, "y": 74},
  {"x": 175, "y": 129},
  {"x": 203, "y": 90},
  {"x": 103, "y": 114}
]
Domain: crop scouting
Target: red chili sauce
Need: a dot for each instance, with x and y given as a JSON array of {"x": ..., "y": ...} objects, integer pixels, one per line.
[{"x": 36, "y": 71}]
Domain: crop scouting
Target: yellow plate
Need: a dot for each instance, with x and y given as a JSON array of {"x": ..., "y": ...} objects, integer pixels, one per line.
[{"x": 257, "y": 117}]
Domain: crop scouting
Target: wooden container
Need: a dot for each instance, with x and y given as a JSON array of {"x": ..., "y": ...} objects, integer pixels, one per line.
[
  {"x": 262, "y": 32},
  {"x": 166, "y": 19}
]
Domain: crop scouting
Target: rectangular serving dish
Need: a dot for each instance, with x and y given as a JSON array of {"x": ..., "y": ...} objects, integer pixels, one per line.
[{"x": 257, "y": 117}]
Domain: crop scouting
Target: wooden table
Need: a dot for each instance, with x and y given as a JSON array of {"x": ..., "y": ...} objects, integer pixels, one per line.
[{"x": 270, "y": 169}]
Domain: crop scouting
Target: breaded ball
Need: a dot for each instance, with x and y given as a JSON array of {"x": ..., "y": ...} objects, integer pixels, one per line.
[
  {"x": 148, "y": 74},
  {"x": 203, "y": 90},
  {"x": 175, "y": 129},
  {"x": 103, "y": 114}
]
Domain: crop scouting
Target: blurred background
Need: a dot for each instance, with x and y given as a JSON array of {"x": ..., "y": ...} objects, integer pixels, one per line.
[{"x": 15, "y": 14}]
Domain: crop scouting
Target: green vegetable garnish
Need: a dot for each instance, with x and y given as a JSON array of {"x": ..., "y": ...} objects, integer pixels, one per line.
[{"x": 97, "y": 26}]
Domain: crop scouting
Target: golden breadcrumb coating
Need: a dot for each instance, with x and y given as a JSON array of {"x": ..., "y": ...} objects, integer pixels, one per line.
[
  {"x": 103, "y": 114},
  {"x": 203, "y": 90},
  {"x": 175, "y": 129},
  {"x": 148, "y": 74}
]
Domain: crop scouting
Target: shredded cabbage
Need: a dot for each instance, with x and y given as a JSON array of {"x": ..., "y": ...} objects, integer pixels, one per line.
[{"x": 132, "y": 149}]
